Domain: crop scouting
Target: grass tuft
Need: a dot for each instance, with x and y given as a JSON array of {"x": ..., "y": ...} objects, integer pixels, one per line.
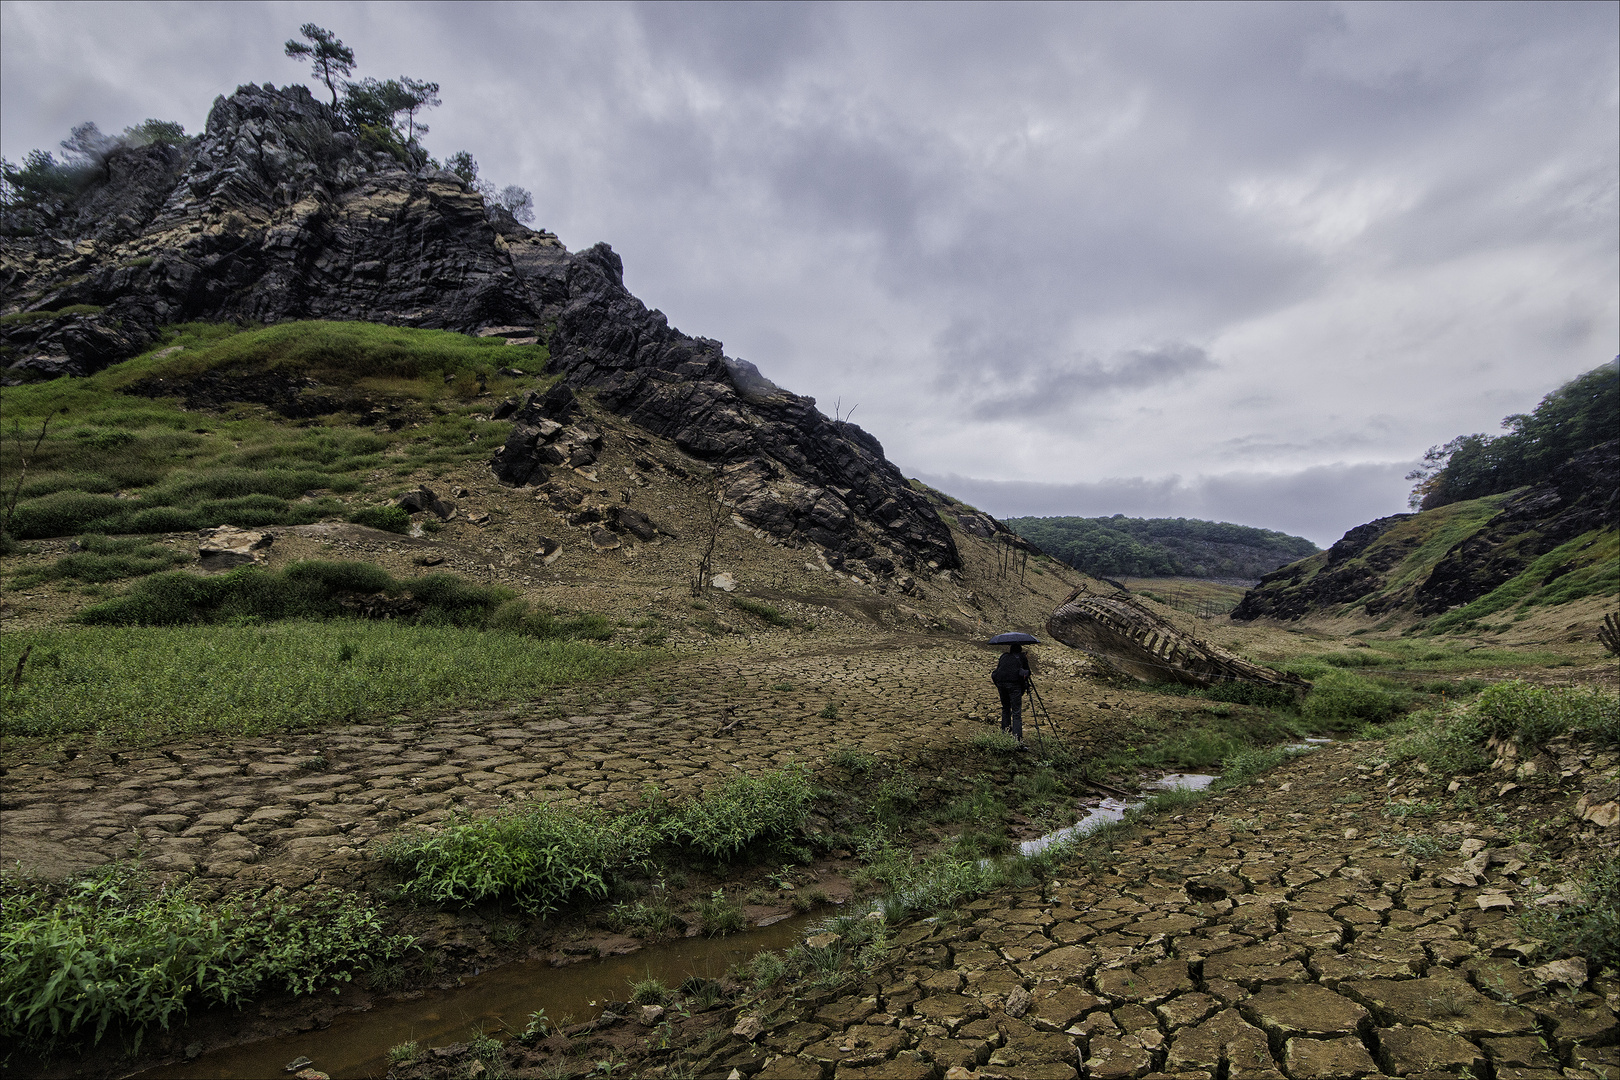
[{"x": 104, "y": 952}]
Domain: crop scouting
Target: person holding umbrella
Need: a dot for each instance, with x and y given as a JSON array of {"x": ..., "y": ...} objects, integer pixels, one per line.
[{"x": 1012, "y": 680}]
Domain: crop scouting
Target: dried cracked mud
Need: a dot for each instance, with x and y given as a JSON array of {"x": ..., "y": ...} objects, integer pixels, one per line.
[
  {"x": 295, "y": 810},
  {"x": 1285, "y": 929}
]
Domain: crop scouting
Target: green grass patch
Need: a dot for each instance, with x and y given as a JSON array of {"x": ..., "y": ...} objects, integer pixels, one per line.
[
  {"x": 175, "y": 469},
  {"x": 761, "y": 610},
  {"x": 19, "y": 318},
  {"x": 1585, "y": 566},
  {"x": 545, "y": 857},
  {"x": 1424, "y": 655},
  {"x": 106, "y": 953},
  {"x": 101, "y": 559},
  {"x": 1451, "y": 740},
  {"x": 318, "y": 589},
  {"x": 147, "y": 683},
  {"x": 332, "y": 353}
]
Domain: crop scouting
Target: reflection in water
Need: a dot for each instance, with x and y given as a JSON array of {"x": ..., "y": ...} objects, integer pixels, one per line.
[{"x": 356, "y": 1045}]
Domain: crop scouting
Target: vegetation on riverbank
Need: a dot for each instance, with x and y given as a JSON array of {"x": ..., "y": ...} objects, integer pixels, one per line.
[
  {"x": 106, "y": 952},
  {"x": 544, "y": 857}
]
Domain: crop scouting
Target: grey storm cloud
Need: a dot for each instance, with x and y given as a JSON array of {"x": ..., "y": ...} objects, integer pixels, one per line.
[
  {"x": 1109, "y": 239},
  {"x": 1006, "y": 386}
]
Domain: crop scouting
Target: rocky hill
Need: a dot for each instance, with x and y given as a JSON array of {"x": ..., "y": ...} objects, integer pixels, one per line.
[
  {"x": 1549, "y": 543},
  {"x": 275, "y": 213}
]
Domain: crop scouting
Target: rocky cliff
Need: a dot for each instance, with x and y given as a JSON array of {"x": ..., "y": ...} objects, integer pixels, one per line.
[
  {"x": 275, "y": 213},
  {"x": 1439, "y": 560}
]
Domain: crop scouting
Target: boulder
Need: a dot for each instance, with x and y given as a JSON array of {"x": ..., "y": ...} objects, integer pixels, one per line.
[
  {"x": 226, "y": 547},
  {"x": 423, "y": 499}
]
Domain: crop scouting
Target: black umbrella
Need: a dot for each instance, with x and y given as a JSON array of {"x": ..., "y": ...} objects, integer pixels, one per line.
[{"x": 1015, "y": 638}]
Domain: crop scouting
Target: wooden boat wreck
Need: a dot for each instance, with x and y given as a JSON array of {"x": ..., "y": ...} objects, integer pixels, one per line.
[{"x": 1122, "y": 632}]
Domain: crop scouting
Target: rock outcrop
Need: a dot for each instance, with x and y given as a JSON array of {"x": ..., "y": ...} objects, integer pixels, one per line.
[
  {"x": 1367, "y": 565},
  {"x": 275, "y": 213},
  {"x": 1337, "y": 576}
]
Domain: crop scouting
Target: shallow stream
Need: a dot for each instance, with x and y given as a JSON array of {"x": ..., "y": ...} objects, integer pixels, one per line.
[{"x": 356, "y": 1044}]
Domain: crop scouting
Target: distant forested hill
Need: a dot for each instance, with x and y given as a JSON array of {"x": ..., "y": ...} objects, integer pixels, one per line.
[{"x": 1119, "y": 546}]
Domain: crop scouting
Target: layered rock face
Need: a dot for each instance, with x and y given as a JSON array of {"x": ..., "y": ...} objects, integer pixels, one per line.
[
  {"x": 1342, "y": 579},
  {"x": 276, "y": 214}
]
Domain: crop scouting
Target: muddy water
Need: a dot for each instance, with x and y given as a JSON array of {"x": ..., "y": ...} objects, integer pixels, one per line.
[
  {"x": 1111, "y": 809},
  {"x": 356, "y": 1045}
]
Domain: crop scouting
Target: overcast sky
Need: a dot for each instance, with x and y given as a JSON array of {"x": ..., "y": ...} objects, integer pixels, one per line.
[{"x": 1242, "y": 262}]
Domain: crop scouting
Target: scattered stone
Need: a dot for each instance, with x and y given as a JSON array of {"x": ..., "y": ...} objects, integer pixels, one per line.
[
  {"x": 749, "y": 1028},
  {"x": 226, "y": 547},
  {"x": 1568, "y": 972},
  {"x": 424, "y": 500},
  {"x": 724, "y": 582}
]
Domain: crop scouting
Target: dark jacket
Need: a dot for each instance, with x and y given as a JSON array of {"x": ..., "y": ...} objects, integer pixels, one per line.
[{"x": 1011, "y": 670}]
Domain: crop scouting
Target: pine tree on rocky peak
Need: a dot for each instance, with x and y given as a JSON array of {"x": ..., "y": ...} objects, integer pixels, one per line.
[{"x": 328, "y": 56}]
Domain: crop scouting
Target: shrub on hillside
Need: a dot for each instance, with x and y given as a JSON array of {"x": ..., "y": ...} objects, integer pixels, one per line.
[
  {"x": 1341, "y": 701},
  {"x": 389, "y": 518},
  {"x": 315, "y": 589},
  {"x": 1530, "y": 714}
]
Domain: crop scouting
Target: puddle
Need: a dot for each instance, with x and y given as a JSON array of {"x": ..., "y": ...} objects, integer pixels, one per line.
[
  {"x": 1111, "y": 809},
  {"x": 356, "y": 1044}
]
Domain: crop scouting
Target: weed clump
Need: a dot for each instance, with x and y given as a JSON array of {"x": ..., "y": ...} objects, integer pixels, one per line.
[
  {"x": 542, "y": 858},
  {"x": 762, "y": 610},
  {"x": 546, "y": 857},
  {"x": 105, "y": 952},
  {"x": 743, "y": 810},
  {"x": 1342, "y": 701},
  {"x": 1589, "y": 928},
  {"x": 1447, "y": 741},
  {"x": 1530, "y": 714},
  {"x": 388, "y": 518}
]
